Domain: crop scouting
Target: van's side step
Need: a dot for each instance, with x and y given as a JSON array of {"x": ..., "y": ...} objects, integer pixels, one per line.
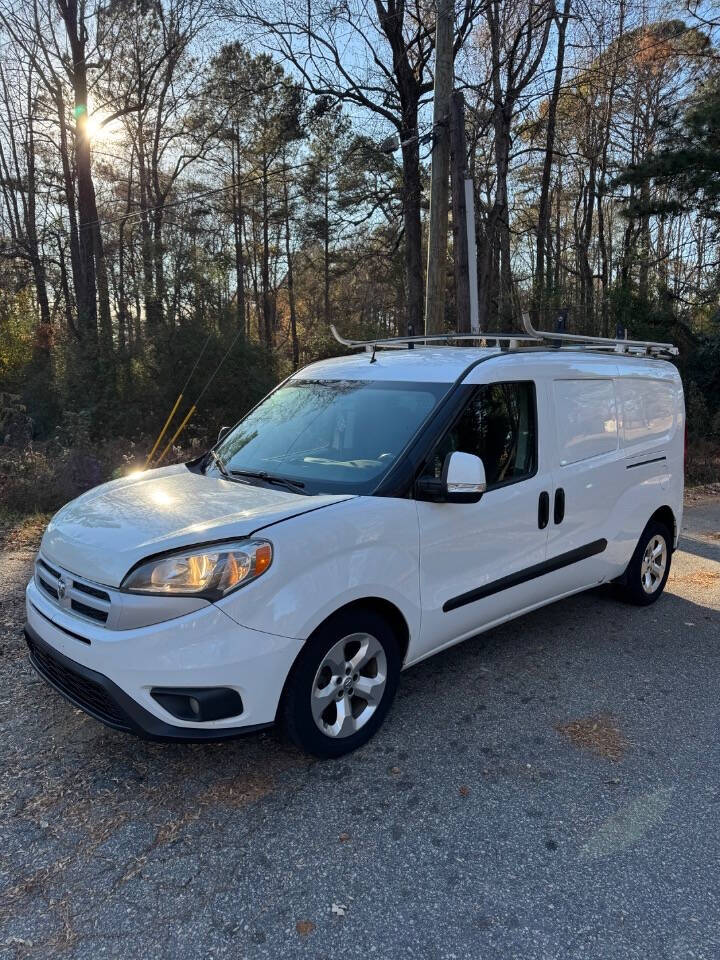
[{"x": 529, "y": 573}]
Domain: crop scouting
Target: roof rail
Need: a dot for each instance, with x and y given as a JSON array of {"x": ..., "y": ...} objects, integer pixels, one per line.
[{"x": 513, "y": 341}]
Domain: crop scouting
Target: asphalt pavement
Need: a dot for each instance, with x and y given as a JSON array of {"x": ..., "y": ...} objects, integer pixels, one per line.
[{"x": 549, "y": 790}]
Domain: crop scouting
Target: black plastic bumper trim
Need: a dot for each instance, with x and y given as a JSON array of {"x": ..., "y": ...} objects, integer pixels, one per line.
[
  {"x": 211, "y": 703},
  {"x": 139, "y": 721},
  {"x": 529, "y": 573}
]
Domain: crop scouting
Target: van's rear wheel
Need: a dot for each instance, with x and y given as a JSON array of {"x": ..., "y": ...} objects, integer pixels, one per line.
[
  {"x": 647, "y": 572},
  {"x": 342, "y": 684}
]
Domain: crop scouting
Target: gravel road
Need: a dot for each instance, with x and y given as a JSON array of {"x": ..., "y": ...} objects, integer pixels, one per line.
[{"x": 547, "y": 791}]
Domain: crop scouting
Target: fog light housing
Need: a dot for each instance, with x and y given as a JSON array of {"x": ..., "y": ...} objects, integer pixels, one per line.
[{"x": 199, "y": 703}]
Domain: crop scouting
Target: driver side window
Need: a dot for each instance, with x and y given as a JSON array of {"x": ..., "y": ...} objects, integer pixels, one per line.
[{"x": 499, "y": 425}]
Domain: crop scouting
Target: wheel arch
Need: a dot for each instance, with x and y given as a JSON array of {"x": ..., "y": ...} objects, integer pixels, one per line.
[
  {"x": 666, "y": 516},
  {"x": 385, "y": 608}
]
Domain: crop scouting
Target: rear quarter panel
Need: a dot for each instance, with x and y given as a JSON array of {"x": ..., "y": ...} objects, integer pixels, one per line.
[{"x": 652, "y": 442}]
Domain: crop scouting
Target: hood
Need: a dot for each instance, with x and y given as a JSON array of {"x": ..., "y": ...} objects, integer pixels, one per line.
[{"x": 106, "y": 531}]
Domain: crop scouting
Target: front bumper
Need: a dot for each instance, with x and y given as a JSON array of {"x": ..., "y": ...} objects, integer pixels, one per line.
[{"x": 110, "y": 673}]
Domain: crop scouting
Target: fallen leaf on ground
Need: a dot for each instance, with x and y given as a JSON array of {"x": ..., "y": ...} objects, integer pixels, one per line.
[
  {"x": 464, "y": 791},
  {"x": 599, "y": 734},
  {"x": 344, "y": 837},
  {"x": 700, "y": 578},
  {"x": 304, "y": 927}
]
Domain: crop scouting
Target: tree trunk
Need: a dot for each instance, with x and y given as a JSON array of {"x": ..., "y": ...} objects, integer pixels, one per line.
[
  {"x": 291, "y": 282},
  {"x": 458, "y": 147},
  {"x": 69, "y": 190},
  {"x": 605, "y": 237},
  {"x": 411, "y": 199},
  {"x": 151, "y": 313},
  {"x": 436, "y": 282},
  {"x": 90, "y": 251},
  {"x": 158, "y": 247},
  {"x": 266, "y": 304},
  {"x": 543, "y": 228},
  {"x": 238, "y": 215},
  {"x": 326, "y": 249}
]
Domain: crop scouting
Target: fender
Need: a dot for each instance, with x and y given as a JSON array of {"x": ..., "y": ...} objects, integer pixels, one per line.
[{"x": 355, "y": 549}]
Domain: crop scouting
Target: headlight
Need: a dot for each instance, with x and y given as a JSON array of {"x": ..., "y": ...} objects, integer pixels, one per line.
[{"x": 210, "y": 571}]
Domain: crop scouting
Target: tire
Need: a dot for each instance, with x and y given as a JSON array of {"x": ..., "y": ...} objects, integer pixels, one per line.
[
  {"x": 643, "y": 584},
  {"x": 323, "y": 709}
]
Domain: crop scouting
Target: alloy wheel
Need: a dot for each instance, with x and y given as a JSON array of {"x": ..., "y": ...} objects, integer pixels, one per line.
[
  {"x": 349, "y": 685},
  {"x": 654, "y": 562}
]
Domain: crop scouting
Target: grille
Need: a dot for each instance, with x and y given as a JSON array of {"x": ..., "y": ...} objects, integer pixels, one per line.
[
  {"x": 92, "y": 591},
  {"x": 85, "y": 693},
  {"x": 47, "y": 588},
  {"x": 51, "y": 570},
  {"x": 86, "y": 600},
  {"x": 92, "y": 612}
]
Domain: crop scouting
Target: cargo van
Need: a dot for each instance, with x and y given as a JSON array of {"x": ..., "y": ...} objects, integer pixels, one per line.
[{"x": 371, "y": 511}]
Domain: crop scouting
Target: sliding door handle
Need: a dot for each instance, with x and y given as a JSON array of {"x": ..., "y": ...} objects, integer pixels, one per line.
[
  {"x": 559, "y": 509},
  {"x": 543, "y": 510}
]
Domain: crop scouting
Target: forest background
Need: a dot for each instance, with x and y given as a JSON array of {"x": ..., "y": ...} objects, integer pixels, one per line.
[{"x": 183, "y": 181}]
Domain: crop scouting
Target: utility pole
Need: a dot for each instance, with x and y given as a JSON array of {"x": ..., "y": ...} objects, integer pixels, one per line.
[
  {"x": 458, "y": 150},
  {"x": 438, "y": 231}
]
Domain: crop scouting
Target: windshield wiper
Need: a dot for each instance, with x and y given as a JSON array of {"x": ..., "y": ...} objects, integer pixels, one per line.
[
  {"x": 219, "y": 463},
  {"x": 294, "y": 485}
]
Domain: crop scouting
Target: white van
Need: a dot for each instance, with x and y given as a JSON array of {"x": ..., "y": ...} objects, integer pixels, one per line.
[{"x": 371, "y": 511}]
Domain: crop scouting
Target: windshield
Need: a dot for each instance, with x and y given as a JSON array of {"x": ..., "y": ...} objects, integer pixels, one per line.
[{"x": 330, "y": 436}]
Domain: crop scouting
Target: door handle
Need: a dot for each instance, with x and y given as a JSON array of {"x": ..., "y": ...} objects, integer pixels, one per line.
[
  {"x": 559, "y": 509},
  {"x": 543, "y": 509}
]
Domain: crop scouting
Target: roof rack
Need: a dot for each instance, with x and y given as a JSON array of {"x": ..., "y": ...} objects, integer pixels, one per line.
[
  {"x": 514, "y": 341},
  {"x": 649, "y": 347}
]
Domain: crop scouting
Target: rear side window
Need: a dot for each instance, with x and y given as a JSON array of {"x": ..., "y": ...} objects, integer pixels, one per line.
[
  {"x": 499, "y": 425},
  {"x": 648, "y": 409},
  {"x": 586, "y": 418}
]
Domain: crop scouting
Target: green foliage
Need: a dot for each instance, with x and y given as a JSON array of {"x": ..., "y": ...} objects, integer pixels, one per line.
[
  {"x": 230, "y": 199},
  {"x": 715, "y": 428},
  {"x": 703, "y": 367},
  {"x": 685, "y": 172},
  {"x": 17, "y": 331},
  {"x": 148, "y": 387},
  {"x": 696, "y": 409},
  {"x": 74, "y": 431},
  {"x": 642, "y": 317}
]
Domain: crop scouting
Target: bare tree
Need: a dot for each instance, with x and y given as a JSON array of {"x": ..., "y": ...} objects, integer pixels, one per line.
[
  {"x": 19, "y": 177},
  {"x": 515, "y": 36},
  {"x": 376, "y": 57},
  {"x": 543, "y": 225}
]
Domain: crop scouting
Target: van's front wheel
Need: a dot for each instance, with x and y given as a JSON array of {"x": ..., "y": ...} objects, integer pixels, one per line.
[
  {"x": 343, "y": 683},
  {"x": 647, "y": 572}
]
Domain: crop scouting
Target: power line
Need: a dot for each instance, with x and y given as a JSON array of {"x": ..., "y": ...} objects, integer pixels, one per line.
[
  {"x": 194, "y": 197},
  {"x": 240, "y": 332}
]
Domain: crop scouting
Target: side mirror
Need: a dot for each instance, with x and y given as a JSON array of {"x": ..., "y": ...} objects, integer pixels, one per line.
[
  {"x": 462, "y": 481},
  {"x": 224, "y": 431}
]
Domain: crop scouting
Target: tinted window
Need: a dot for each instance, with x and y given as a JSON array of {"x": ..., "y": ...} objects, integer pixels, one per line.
[
  {"x": 335, "y": 436},
  {"x": 499, "y": 426}
]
